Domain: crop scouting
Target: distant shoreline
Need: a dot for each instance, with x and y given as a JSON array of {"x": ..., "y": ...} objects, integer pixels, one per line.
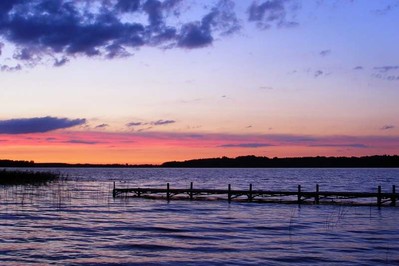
[{"x": 250, "y": 161}]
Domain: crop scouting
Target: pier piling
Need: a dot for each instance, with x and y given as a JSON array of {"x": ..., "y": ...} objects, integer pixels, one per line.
[
  {"x": 229, "y": 193},
  {"x": 167, "y": 192},
  {"x": 299, "y": 194},
  {"x": 393, "y": 198},
  {"x": 379, "y": 198},
  {"x": 317, "y": 195},
  {"x": 250, "y": 193},
  {"x": 191, "y": 191}
]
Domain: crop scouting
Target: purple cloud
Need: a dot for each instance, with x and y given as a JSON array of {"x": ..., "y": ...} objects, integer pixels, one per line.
[
  {"x": 6, "y": 68},
  {"x": 318, "y": 73},
  {"x": 41, "y": 29},
  {"x": 37, "y": 124},
  {"x": 135, "y": 124},
  {"x": 102, "y": 126},
  {"x": 386, "y": 68},
  {"x": 388, "y": 127},
  {"x": 325, "y": 52},
  {"x": 246, "y": 145},
  {"x": 76, "y": 141},
  {"x": 162, "y": 122},
  {"x": 270, "y": 12},
  {"x": 350, "y": 145}
]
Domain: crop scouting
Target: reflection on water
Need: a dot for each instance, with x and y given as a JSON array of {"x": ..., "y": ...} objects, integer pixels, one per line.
[{"x": 78, "y": 222}]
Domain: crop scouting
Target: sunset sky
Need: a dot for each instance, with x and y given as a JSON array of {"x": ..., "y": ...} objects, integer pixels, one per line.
[{"x": 148, "y": 81}]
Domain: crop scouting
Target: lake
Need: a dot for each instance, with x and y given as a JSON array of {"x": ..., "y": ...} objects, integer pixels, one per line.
[{"x": 77, "y": 222}]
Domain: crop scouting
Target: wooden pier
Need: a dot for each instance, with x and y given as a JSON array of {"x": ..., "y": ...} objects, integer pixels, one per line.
[{"x": 318, "y": 196}]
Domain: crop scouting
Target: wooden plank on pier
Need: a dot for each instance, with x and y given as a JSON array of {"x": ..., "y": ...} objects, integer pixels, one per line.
[{"x": 252, "y": 195}]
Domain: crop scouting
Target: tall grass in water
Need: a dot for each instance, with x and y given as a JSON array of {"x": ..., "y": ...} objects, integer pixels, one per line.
[
  {"x": 16, "y": 177},
  {"x": 33, "y": 188}
]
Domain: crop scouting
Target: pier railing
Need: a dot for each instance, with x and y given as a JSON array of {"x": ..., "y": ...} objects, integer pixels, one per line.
[{"x": 298, "y": 196}]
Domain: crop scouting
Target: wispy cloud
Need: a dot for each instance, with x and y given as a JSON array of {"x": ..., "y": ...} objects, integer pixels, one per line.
[
  {"x": 37, "y": 124},
  {"x": 135, "y": 124},
  {"x": 387, "y": 127},
  {"x": 162, "y": 122},
  {"x": 246, "y": 145},
  {"x": 325, "y": 52},
  {"x": 7, "y": 68},
  {"x": 385, "y": 10},
  {"x": 358, "y": 68},
  {"x": 102, "y": 126},
  {"x": 159, "y": 122},
  {"x": 386, "y": 68},
  {"x": 318, "y": 73},
  {"x": 77, "y": 141},
  {"x": 349, "y": 145},
  {"x": 271, "y": 12}
]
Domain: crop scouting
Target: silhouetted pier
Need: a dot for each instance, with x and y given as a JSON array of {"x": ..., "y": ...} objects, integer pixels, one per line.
[{"x": 299, "y": 196}]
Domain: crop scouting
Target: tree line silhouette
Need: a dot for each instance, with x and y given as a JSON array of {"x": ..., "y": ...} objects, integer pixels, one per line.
[{"x": 297, "y": 162}]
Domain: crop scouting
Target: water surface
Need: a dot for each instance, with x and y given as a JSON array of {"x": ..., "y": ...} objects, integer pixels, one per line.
[{"x": 79, "y": 223}]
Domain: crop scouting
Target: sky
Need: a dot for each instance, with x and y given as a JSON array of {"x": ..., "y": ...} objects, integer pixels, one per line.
[{"x": 149, "y": 81}]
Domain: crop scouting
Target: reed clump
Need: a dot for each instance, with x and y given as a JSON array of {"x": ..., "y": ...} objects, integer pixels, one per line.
[{"x": 17, "y": 177}]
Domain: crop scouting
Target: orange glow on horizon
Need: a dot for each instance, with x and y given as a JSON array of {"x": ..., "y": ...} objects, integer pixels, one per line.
[{"x": 159, "y": 147}]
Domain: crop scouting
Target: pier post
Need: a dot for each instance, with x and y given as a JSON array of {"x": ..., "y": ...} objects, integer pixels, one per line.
[
  {"x": 393, "y": 199},
  {"x": 299, "y": 194},
  {"x": 379, "y": 198},
  {"x": 114, "y": 192},
  {"x": 317, "y": 196},
  {"x": 191, "y": 191},
  {"x": 250, "y": 193},
  {"x": 167, "y": 191},
  {"x": 229, "y": 193},
  {"x": 138, "y": 192}
]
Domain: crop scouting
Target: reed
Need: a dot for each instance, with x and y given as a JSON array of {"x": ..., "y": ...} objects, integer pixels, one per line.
[{"x": 17, "y": 177}]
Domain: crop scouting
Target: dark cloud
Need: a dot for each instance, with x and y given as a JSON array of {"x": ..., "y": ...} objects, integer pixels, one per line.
[
  {"x": 318, "y": 73},
  {"x": 199, "y": 34},
  {"x": 358, "y": 68},
  {"x": 325, "y": 52},
  {"x": 246, "y": 145},
  {"x": 60, "y": 62},
  {"x": 127, "y": 6},
  {"x": 42, "y": 29},
  {"x": 383, "y": 76},
  {"x": 386, "y": 9},
  {"x": 37, "y": 124},
  {"x": 271, "y": 12},
  {"x": 388, "y": 127},
  {"x": 150, "y": 125},
  {"x": 386, "y": 68},
  {"x": 135, "y": 124},
  {"x": 77, "y": 141},
  {"x": 102, "y": 126},
  {"x": 162, "y": 122},
  {"x": 6, "y": 68}
]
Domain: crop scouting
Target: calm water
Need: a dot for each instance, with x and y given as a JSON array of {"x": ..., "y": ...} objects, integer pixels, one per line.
[{"x": 79, "y": 223}]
